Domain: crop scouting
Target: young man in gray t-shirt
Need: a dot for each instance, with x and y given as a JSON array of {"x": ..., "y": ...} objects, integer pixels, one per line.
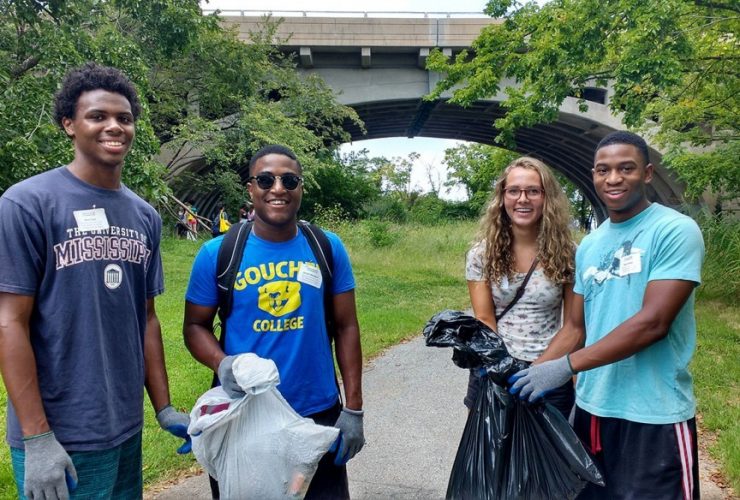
[{"x": 79, "y": 335}]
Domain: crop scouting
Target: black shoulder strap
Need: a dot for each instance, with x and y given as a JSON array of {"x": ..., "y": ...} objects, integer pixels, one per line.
[
  {"x": 232, "y": 249},
  {"x": 321, "y": 248},
  {"x": 229, "y": 257},
  {"x": 520, "y": 291}
]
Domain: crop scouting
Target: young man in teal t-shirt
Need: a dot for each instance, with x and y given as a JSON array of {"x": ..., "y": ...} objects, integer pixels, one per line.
[{"x": 631, "y": 335}]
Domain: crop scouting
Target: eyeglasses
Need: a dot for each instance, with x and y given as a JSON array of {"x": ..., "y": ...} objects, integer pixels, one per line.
[
  {"x": 266, "y": 181},
  {"x": 532, "y": 193}
]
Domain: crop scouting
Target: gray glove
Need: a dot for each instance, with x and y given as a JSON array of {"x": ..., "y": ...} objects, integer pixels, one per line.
[
  {"x": 176, "y": 423},
  {"x": 534, "y": 382},
  {"x": 351, "y": 435},
  {"x": 226, "y": 376},
  {"x": 49, "y": 472}
]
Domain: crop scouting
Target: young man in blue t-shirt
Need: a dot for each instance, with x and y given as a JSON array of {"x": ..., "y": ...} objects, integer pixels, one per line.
[
  {"x": 631, "y": 335},
  {"x": 278, "y": 313},
  {"x": 79, "y": 335}
]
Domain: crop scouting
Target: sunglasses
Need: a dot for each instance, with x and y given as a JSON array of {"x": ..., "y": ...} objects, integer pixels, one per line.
[{"x": 266, "y": 181}]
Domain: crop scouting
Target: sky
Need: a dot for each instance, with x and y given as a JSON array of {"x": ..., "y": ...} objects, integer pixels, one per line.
[{"x": 431, "y": 150}]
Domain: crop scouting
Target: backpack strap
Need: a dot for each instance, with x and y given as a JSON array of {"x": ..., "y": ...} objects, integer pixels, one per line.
[
  {"x": 227, "y": 265},
  {"x": 230, "y": 255},
  {"x": 321, "y": 248}
]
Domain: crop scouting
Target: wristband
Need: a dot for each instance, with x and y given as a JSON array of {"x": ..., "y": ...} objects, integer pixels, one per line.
[
  {"x": 567, "y": 358},
  {"x": 36, "y": 436}
]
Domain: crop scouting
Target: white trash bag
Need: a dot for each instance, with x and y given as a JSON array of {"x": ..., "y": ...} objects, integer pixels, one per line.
[{"x": 257, "y": 446}]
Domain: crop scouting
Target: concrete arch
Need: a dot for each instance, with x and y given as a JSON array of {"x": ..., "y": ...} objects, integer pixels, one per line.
[
  {"x": 567, "y": 145},
  {"x": 377, "y": 66}
]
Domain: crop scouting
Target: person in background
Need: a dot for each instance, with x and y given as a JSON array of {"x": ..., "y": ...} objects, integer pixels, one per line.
[
  {"x": 192, "y": 222},
  {"x": 524, "y": 245},
  {"x": 633, "y": 337},
  {"x": 280, "y": 315},
  {"x": 220, "y": 223},
  {"x": 79, "y": 334},
  {"x": 243, "y": 212},
  {"x": 181, "y": 226}
]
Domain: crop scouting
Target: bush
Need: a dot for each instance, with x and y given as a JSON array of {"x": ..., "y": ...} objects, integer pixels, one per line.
[
  {"x": 380, "y": 233},
  {"x": 387, "y": 208},
  {"x": 428, "y": 209},
  {"x": 461, "y": 210},
  {"x": 332, "y": 218}
]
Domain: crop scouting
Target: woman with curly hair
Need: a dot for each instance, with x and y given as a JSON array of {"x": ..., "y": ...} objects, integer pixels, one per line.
[{"x": 524, "y": 242}]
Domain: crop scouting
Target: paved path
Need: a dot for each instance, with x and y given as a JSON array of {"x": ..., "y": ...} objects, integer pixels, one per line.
[{"x": 413, "y": 423}]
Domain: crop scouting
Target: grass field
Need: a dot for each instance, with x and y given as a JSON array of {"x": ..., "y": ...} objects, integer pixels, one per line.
[{"x": 399, "y": 286}]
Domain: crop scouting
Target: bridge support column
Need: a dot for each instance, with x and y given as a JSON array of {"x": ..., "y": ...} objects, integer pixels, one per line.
[
  {"x": 365, "y": 57},
  {"x": 423, "y": 55},
  {"x": 306, "y": 57}
]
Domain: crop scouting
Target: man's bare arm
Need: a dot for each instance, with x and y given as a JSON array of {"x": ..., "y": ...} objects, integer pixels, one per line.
[
  {"x": 18, "y": 363},
  {"x": 348, "y": 349}
]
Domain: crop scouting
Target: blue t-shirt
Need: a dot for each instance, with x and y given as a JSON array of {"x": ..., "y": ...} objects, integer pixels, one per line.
[
  {"x": 613, "y": 267},
  {"x": 90, "y": 258},
  {"x": 278, "y": 312}
]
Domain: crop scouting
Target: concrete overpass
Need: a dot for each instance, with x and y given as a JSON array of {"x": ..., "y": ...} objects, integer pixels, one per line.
[{"x": 376, "y": 64}]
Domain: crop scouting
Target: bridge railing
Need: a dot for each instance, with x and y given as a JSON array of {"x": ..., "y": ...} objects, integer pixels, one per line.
[{"x": 343, "y": 13}]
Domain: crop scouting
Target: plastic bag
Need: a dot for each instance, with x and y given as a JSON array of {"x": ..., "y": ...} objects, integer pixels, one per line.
[
  {"x": 509, "y": 449},
  {"x": 475, "y": 345},
  {"x": 256, "y": 446}
]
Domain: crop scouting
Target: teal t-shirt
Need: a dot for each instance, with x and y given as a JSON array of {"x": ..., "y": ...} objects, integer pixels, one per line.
[{"x": 613, "y": 267}]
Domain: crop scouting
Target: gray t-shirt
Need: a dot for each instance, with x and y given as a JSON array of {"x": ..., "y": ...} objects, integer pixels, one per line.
[
  {"x": 90, "y": 257},
  {"x": 530, "y": 325}
]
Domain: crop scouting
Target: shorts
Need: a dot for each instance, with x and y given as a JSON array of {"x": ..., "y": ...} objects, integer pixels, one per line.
[
  {"x": 640, "y": 461},
  {"x": 113, "y": 473},
  {"x": 330, "y": 481}
]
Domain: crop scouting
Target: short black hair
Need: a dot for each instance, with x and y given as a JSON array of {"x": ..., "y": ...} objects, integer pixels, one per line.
[
  {"x": 624, "y": 137},
  {"x": 274, "y": 149},
  {"x": 89, "y": 77}
]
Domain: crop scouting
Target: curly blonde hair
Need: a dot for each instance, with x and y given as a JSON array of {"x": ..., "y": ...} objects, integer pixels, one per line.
[{"x": 555, "y": 247}]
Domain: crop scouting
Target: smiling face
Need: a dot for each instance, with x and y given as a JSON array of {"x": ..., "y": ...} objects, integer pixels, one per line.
[
  {"x": 523, "y": 211},
  {"x": 620, "y": 175},
  {"x": 102, "y": 129},
  {"x": 275, "y": 208}
]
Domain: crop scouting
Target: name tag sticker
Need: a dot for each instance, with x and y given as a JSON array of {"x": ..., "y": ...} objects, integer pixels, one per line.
[
  {"x": 630, "y": 264},
  {"x": 310, "y": 275},
  {"x": 93, "y": 219}
]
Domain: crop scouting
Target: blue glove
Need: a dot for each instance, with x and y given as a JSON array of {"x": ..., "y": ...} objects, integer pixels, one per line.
[
  {"x": 351, "y": 436},
  {"x": 534, "y": 382},
  {"x": 49, "y": 471},
  {"x": 176, "y": 423},
  {"x": 227, "y": 379}
]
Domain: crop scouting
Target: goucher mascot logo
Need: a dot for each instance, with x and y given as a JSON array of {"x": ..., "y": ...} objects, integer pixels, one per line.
[{"x": 280, "y": 297}]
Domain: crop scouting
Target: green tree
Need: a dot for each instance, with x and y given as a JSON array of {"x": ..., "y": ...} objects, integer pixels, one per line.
[
  {"x": 394, "y": 175},
  {"x": 346, "y": 182},
  {"x": 476, "y": 167},
  {"x": 672, "y": 65},
  {"x": 200, "y": 86}
]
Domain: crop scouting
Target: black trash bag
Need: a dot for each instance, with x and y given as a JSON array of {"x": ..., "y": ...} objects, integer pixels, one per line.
[
  {"x": 509, "y": 449},
  {"x": 475, "y": 344},
  {"x": 480, "y": 467}
]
